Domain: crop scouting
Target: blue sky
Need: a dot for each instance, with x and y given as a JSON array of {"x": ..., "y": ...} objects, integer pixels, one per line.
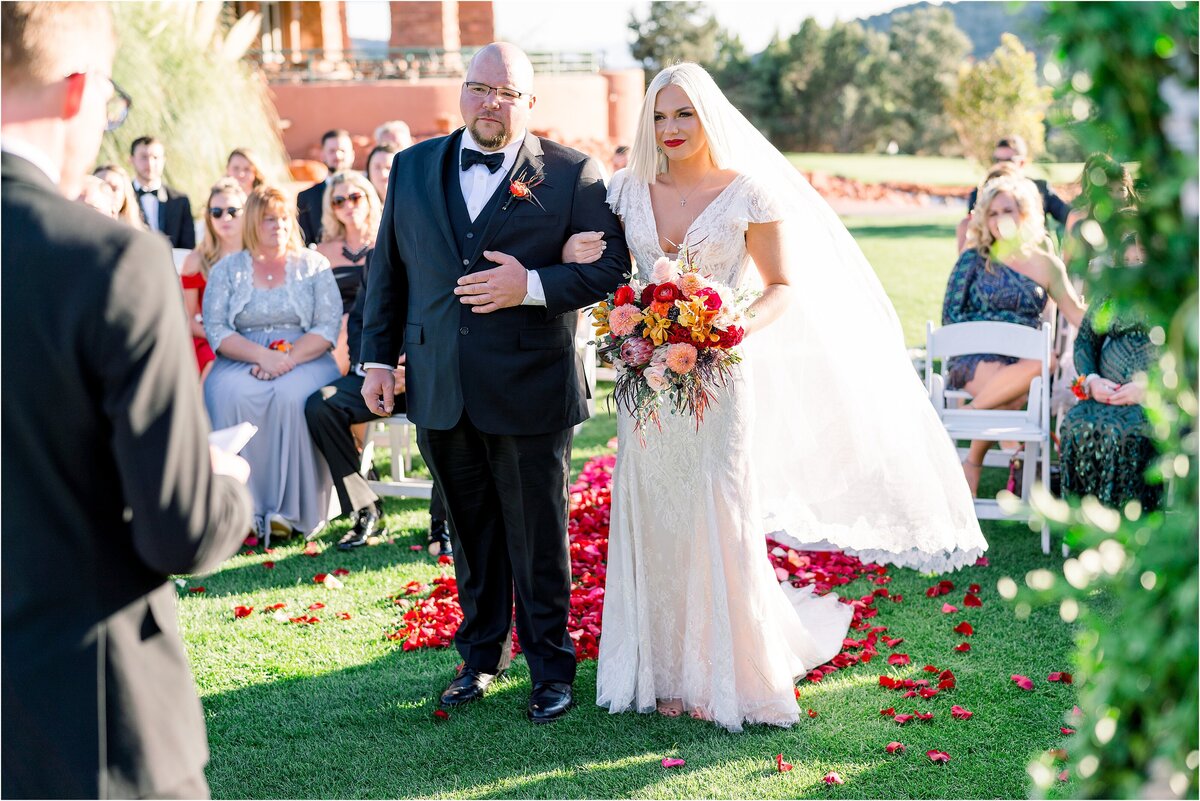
[{"x": 601, "y": 24}]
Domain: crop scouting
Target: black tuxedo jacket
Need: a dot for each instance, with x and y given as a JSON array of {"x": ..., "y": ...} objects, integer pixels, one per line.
[
  {"x": 107, "y": 490},
  {"x": 308, "y": 209},
  {"x": 175, "y": 217},
  {"x": 513, "y": 371}
]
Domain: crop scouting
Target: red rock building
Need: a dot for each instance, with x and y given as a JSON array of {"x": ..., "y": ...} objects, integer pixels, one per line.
[{"x": 320, "y": 81}]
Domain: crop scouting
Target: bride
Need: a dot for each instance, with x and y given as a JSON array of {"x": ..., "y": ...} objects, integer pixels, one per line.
[{"x": 825, "y": 437}]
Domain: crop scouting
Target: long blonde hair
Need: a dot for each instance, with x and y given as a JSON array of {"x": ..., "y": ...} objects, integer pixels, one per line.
[
  {"x": 332, "y": 228},
  {"x": 209, "y": 249},
  {"x": 260, "y": 176},
  {"x": 1032, "y": 217},
  {"x": 645, "y": 160},
  {"x": 270, "y": 199},
  {"x": 130, "y": 211}
]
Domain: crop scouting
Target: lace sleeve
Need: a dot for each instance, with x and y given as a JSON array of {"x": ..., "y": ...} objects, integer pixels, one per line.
[
  {"x": 216, "y": 303},
  {"x": 760, "y": 204},
  {"x": 617, "y": 194},
  {"x": 327, "y": 304}
]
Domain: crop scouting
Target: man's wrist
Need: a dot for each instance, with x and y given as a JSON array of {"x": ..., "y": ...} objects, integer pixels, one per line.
[
  {"x": 376, "y": 366},
  {"x": 535, "y": 293}
]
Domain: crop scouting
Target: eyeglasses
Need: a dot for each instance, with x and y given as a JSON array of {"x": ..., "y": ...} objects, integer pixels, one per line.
[
  {"x": 216, "y": 212},
  {"x": 354, "y": 198},
  {"x": 482, "y": 90}
]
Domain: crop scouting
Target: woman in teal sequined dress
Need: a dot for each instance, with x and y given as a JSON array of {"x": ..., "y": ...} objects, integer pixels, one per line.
[
  {"x": 1105, "y": 444},
  {"x": 1007, "y": 274}
]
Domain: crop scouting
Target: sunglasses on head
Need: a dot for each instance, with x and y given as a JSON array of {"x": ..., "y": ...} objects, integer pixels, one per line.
[
  {"x": 353, "y": 199},
  {"x": 216, "y": 212}
]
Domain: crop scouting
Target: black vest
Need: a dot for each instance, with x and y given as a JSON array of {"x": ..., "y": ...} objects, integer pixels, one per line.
[{"x": 467, "y": 235}]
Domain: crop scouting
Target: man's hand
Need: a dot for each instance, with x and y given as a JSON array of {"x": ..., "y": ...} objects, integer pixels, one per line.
[
  {"x": 501, "y": 287},
  {"x": 584, "y": 247},
  {"x": 379, "y": 391},
  {"x": 399, "y": 375}
]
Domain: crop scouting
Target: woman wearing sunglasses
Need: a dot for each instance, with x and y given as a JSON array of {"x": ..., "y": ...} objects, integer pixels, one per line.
[
  {"x": 349, "y": 221},
  {"x": 222, "y": 236}
]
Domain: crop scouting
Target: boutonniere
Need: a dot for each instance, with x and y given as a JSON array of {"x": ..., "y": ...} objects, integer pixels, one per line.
[
  {"x": 521, "y": 188},
  {"x": 281, "y": 345},
  {"x": 1079, "y": 388}
]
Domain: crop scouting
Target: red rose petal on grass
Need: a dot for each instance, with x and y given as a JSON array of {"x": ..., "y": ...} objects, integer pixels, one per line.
[
  {"x": 251, "y": 541},
  {"x": 1066, "y": 774},
  {"x": 982, "y": 562},
  {"x": 910, "y": 694},
  {"x": 1065, "y": 730},
  {"x": 949, "y": 609},
  {"x": 895, "y": 747},
  {"x": 1022, "y": 681},
  {"x": 963, "y": 646},
  {"x": 319, "y": 578},
  {"x": 780, "y": 765},
  {"x": 890, "y": 711},
  {"x": 1076, "y": 711},
  {"x": 892, "y": 642},
  {"x": 897, "y": 598},
  {"x": 797, "y": 691},
  {"x": 343, "y": 615},
  {"x": 898, "y": 659},
  {"x": 242, "y": 611},
  {"x": 1065, "y": 678},
  {"x": 937, "y": 756},
  {"x": 444, "y": 560},
  {"x": 269, "y": 565},
  {"x": 674, "y": 763},
  {"x": 927, "y": 692},
  {"x": 960, "y": 713},
  {"x": 415, "y": 548},
  {"x": 273, "y": 607},
  {"x": 925, "y": 716},
  {"x": 974, "y": 589},
  {"x": 902, "y": 719},
  {"x": 832, "y": 778},
  {"x": 316, "y": 606},
  {"x": 312, "y": 549},
  {"x": 812, "y": 713},
  {"x": 930, "y": 669},
  {"x": 341, "y": 571},
  {"x": 970, "y": 599},
  {"x": 196, "y": 589},
  {"x": 441, "y": 714},
  {"x": 964, "y": 629}
]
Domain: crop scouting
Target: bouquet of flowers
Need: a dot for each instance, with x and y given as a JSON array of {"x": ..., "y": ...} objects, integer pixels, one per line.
[{"x": 672, "y": 340}]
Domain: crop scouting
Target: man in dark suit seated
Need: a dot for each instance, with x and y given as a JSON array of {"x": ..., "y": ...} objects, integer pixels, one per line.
[
  {"x": 337, "y": 153},
  {"x": 163, "y": 209},
  {"x": 330, "y": 412},
  {"x": 109, "y": 485}
]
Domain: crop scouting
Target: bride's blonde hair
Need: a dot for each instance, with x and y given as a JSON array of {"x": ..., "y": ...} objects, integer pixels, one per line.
[{"x": 646, "y": 161}]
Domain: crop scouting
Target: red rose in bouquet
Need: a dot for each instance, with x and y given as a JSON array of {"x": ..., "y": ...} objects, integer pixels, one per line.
[
  {"x": 648, "y": 294},
  {"x": 712, "y": 300},
  {"x": 666, "y": 293},
  {"x": 624, "y": 296}
]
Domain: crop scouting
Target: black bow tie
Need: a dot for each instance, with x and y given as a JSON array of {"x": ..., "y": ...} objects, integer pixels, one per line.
[
  {"x": 141, "y": 190},
  {"x": 493, "y": 161}
]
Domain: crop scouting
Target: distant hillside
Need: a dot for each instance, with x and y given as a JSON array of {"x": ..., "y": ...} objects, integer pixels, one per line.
[{"x": 982, "y": 22}]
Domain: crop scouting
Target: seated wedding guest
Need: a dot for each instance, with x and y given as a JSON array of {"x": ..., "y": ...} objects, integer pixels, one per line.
[
  {"x": 126, "y": 199},
  {"x": 222, "y": 237},
  {"x": 349, "y": 222},
  {"x": 272, "y": 314},
  {"x": 245, "y": 167},
  {"x": 337, "y": 153},
  {"x": 379, "y": 167},
  {"x": 394, "y": 132},
  {"x": 163, "y": 209},
  {"x": 1108, "y": 181},
  {"x": 97, "y": 194},
  {"x": 620, "y": 158},
  {"x": 1007, "y": 274},
  {"x": 1001, "y": 169},
  {"x": 1106, "y": 444}
]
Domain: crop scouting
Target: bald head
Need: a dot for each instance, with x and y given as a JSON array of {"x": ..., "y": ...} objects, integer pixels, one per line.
[{"x": 497, "y": 95}]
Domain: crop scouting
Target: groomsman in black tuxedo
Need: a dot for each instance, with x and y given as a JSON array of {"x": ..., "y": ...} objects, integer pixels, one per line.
[
  {"x": 109, "y": 485},
  {"x": 337, "y": 153},
  {"x": 163, "y": 209},
  {"x": 467, "y": 278}
]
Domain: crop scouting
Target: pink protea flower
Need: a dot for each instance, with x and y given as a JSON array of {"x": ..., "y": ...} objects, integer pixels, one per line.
[
  {"x": 681, "y": 358},
  {"x": 636, "y": 351},
  {"x": 623, "y": 319}
]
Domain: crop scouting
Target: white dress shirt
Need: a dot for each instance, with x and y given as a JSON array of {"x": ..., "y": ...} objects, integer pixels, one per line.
[{"x": 149, "y": 204}]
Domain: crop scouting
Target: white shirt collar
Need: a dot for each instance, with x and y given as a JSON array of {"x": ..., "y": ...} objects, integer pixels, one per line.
[
  {"x": 34, "y": 155},
  {"x": 139, "y": 185},
  {"x": 510, "y": 150}
]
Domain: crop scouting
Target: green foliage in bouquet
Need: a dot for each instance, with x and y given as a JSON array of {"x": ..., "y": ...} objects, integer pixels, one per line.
[
  {"x": 1129, "y": 72},
  {"x": 182, "y": 65}
]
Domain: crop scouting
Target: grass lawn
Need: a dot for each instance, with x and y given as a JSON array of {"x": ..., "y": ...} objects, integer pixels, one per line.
[{"x": 933, "y": 170}]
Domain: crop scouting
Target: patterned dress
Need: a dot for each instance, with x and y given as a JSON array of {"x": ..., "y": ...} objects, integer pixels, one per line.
[
  {"x": 975, "y": 293},
  {"x": 1106, "y": 449}
]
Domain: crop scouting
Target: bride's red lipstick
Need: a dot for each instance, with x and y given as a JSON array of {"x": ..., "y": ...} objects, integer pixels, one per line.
[{"x": 672, "y": 142}]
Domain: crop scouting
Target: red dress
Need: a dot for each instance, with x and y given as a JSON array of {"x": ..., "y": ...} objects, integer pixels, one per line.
[{"x": 204, "y": 353}]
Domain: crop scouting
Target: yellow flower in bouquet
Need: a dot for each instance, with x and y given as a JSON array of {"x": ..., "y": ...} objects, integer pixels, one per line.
[
  {"x": 696, "y": 316},
  {"x": 656, "y": 327},
  {"x": 600, "y": 315}
]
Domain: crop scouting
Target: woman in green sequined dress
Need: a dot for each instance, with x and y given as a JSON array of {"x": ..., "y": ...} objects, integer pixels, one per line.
[{"x": 1105, "y": 444}]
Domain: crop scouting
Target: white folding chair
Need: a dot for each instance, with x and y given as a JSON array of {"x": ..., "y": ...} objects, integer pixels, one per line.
[
  {"x": 1030, "y": 426},
  {"x": 397, "y": 431},
  {"x": 177, "y": 256}
]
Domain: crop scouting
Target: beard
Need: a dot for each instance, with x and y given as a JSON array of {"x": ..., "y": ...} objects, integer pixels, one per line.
[{"x": 493, "y": 142}]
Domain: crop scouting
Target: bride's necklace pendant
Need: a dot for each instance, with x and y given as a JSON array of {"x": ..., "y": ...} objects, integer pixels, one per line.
[{"x": 683, "y": 201}]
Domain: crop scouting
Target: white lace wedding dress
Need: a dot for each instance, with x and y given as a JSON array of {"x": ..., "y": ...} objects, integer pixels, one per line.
[{"x": 692, "y": 607}]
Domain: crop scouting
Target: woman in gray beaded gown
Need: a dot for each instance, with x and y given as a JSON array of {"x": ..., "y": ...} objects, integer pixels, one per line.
[{"x": 272, "y": 313}]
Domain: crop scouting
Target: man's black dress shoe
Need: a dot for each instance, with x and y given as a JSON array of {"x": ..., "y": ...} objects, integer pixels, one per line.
[
  {"x": 549, "y": 701},
  {"x": 438, "y": 543},
  {"x": 467, "y": 686},
  {"x": 365, "y": 526}
]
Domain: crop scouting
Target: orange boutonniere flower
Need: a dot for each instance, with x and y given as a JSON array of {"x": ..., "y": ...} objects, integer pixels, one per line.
[
  {"x": 281, "y": 345},
  {"x": 521, "y": 188},
  {"x": 1079, "y": 389}
]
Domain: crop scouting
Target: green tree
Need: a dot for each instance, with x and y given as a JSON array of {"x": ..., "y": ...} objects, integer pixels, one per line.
[
  {"x": 182, "y": 65},
  {"x": 999, "y": 96},
  {"x": 1129, "y": 72},
  {"x": 673, "y": 32},
  {"x": 928, "y": 49}
]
